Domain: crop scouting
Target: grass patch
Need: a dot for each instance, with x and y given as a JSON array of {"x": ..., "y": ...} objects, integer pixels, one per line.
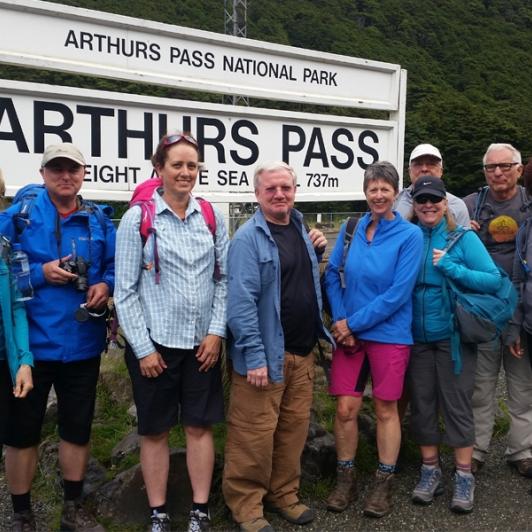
[{"x": 502, "y": 423}]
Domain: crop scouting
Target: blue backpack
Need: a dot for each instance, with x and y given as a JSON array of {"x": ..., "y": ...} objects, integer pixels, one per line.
[
  {"x": 480, "y": 317},
  {"x": 27, "y": 195}
]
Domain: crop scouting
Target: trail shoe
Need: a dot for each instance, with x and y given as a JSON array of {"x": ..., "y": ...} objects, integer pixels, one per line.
[
  {"x": 379, "y": 499},
  {"x": 344, "y": 492},
  {"x": 524, "y": 466},
  {"x": 297, "y": 513},
  {"x": 198, "y": 521},
  {"x": 476, "y": 466},
  {"x": 258, "y": 524},
  {"x": 463, "y": 493},
  {"x": 430, "y": 485},
  {"x": 160, "y": 522},
  {"x": 75, "y": 518},
  {"x": 23, "y": 522}
]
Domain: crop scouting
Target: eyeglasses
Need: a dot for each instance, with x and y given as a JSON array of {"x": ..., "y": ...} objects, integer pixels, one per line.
[
  {"x": 425, "y": 199},
  {"x": 505, "y": 167},
  {"x": 174, "y": 139}
]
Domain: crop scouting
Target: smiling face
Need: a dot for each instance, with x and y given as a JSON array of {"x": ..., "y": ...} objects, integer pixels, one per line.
[
  {"x": 275, "y": 193},
  {"x": 63, "y": 179},
  {"x": 180, "y": 169},
  {"x": 429, "y": 209},
  {"x": 380, "y": 196}
]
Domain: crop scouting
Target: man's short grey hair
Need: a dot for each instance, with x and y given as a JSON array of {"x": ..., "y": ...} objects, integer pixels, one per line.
[
  {"x": 516, "y": 154},
  {"x": 273, "y": 166},
  {"x": 381, "y": 170}
]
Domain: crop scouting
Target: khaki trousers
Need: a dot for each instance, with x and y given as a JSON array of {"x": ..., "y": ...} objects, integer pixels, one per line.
[{"x": 266, "y": 432}]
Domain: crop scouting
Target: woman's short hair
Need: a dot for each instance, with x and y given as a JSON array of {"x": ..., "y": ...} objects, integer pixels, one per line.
[{"x": 381, "y": 170}]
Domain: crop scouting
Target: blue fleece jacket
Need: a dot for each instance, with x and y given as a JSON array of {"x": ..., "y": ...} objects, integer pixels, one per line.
[
  {"x": 468, "y": 264},
  {"x": 380, "y": 276}
]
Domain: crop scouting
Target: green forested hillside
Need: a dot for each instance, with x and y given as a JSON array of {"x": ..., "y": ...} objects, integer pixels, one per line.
[{"x": 469, "y": 62}]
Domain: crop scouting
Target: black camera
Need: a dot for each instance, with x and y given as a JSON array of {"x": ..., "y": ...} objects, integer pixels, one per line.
[{"x": 80, "y": 267}]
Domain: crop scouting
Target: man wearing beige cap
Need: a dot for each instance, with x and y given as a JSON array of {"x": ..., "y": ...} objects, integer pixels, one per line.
[
  {"x": 69, "y": 244},
  {"x": 426, "y": 159}
]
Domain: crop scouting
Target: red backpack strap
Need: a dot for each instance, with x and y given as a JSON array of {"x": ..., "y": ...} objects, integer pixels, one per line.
[
  {"x": 210, "y": 219},
  {"x": 208, "y": 215}
]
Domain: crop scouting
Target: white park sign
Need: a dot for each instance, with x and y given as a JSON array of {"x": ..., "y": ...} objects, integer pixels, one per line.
[
  {"x": 54, "y": 36},
  {"x": 118, "y": 133}
]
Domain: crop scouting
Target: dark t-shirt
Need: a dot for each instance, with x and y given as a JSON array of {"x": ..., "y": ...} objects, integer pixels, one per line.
[
  {"x": 499, "y": 222},
  {"x": 299, "y": 308}
]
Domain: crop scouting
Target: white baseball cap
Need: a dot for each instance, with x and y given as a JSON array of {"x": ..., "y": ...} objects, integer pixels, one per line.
[{"x": 425, "y": 149}]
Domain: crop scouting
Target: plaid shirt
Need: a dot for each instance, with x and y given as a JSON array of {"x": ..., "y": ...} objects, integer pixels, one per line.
[{"x": 188, "y": 303}]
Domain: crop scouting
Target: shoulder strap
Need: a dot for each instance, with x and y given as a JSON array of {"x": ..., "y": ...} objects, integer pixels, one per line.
[
  {"x": 350, "y": 230},
  {"x": 208, "y": 215},
  {"x": 521, "y": 244},
  {"x": 481, "y": 200},
  {"x": 453, "y": 238},
  {"x": 93, "y": 208}
]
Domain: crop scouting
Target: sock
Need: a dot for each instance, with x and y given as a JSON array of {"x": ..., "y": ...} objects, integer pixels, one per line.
[
  {"x": 345, "y": 465},
  {"x": 432, "y": 462},
  {"x": 21, "y": 503},
  {"x": 72, "y": 489},
  {"x": 203, "y": 507},
  {"x": 465, "y": 469},
  {"x": 386, "y": 468},
  {"x": 158, "y": 509}
]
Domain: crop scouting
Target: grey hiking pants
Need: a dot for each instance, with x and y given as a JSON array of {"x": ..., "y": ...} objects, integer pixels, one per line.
[{"x": 519, "y": 386}]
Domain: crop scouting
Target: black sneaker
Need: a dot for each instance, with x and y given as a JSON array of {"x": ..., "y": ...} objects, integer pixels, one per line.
[
  {"x": 160, "y": 522},
  {"x": 23, "y": 522},
  {"x": 74, "y": 518},
  {"x": 198, "y": 521}
]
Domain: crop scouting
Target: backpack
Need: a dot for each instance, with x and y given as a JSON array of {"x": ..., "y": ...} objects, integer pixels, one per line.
[
  {"x": 480, "y": 317},
  {"x": 483, "y": 194},
  {"x": 350, "y": 230},
  {"x": 143, "y": 198},
  {"x": 27, "y": 195}
]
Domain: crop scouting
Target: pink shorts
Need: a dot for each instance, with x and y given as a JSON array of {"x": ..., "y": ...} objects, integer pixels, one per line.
[{"x": 386, "y": 363}]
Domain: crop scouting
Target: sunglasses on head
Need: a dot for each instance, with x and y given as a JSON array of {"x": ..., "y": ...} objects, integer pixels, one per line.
[
  {"x": 174, "y": 139},
  {"x": 425, "y": 199}
]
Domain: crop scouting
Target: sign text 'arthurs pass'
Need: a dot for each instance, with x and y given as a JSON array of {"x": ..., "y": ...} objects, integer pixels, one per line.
[
  {"x": 118, "y": 134},
  {"x": 193, "y": 57},
  {"x": 107, "y": 45}
]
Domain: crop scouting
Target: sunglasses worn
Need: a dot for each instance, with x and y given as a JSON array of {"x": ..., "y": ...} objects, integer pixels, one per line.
[
  {"x": 174, "y": 139},
  {"x": 425, "y": 199}
]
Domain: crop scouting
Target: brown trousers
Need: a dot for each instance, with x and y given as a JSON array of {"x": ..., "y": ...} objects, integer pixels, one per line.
[{"x": 266, "y": 432}]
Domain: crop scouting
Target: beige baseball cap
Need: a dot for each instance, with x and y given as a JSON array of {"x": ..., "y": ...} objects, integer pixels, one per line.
[{"x": 66, "y": 150}]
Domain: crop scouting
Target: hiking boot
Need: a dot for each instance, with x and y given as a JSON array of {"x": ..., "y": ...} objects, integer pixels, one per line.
[
  {"x": 259, "y": 524},
  {"x": 74, "y": 518},
  {"x": 429, "y": 486},
  {"x": 198, "y": 521},
  {"x": 524, "y": 466},
  {"x": 344, "y": 491},
  {"x": 379, "y": 499},
  {"x": 23, "y": 522},
  {"x": 296, "y": 513},
  {"x": 160, "y": 522},
  {"x": 463, "y": 493},
  {"x": 476, "y": 466}
]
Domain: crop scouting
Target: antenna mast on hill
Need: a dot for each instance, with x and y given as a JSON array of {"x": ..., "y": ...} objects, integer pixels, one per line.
[{"x": 235, "y": 23}]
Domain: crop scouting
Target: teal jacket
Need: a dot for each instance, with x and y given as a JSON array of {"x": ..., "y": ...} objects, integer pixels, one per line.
[
  {"x": 468, "y": 264},
  {"x": 13, "y": 323}
]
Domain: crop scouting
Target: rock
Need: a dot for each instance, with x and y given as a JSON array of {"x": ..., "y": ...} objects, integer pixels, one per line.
[
  {"x": 128, "y": 445},
  {"x": 124, "y": 500},
  {"x": 319, "y": 455},
  {"x": 132, "y": 412},
  {"x": 96, "y": 476},
  {"x": 51, "y": 407}
]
